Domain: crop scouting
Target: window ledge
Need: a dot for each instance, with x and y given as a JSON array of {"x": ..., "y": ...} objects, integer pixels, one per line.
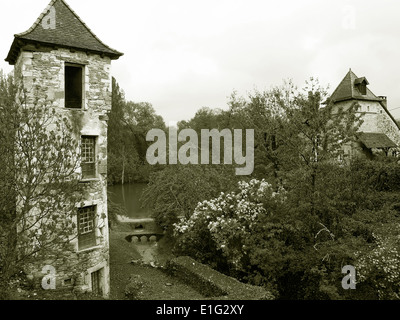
[{"x": 90, "y": 249}]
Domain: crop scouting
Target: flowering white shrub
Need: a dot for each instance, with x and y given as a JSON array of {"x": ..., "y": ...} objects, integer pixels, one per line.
[
  {"x": 381, "y": 267},
  {"x": 230, "y": 218}
]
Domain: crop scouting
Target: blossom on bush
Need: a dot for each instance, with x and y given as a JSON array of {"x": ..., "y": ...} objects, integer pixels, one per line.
[
  {"x": 381, "y": 267},
  {"x": 229, "y": 219}
]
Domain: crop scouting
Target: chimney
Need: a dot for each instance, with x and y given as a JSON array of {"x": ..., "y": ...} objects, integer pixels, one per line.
[{"x": 384, "y": 101}]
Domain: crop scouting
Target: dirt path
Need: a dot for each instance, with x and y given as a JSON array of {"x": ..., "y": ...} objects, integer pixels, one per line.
[{"x": 158, "y": 285}]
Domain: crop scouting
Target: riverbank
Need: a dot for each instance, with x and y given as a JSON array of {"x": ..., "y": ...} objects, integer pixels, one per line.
[{"x": 145, "y": 262}]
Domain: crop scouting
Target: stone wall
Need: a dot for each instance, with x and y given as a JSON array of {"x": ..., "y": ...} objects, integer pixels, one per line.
[
  {"x": 41, "y": 74},
  {"x": 45, "y": 69},
  {"x": 375, "y": 119},
  {"x": 213, "y": 284}
]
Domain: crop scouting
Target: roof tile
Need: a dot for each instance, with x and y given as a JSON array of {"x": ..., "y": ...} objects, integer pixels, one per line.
[
  {"x": 375, "y": 140},
  {"x": 70, "y": 32},
  {"x": 347, "y": 89}
]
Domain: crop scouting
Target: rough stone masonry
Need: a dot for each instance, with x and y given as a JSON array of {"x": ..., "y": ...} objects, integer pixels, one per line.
[{"x": 41, "y": 57}]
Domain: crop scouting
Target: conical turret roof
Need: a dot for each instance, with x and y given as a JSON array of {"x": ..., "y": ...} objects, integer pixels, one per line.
[{"x": 68, "y": 31}]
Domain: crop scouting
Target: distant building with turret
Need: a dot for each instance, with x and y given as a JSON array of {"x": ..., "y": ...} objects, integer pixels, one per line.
[{"x": 379, "y": 132}]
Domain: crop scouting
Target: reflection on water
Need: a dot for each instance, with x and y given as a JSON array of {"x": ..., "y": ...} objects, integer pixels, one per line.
[{"x": 129, "y": 195}]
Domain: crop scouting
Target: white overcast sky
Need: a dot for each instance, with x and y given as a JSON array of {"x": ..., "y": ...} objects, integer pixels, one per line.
[{"x": 181, "y": 55}]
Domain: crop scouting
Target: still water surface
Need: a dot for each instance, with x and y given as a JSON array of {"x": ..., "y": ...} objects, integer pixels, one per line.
[{"x": 129, "y": 195}]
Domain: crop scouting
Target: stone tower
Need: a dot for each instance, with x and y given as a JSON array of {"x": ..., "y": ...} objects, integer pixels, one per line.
[
  {"x": 72, "y": 66},
  {"x": 379, "y": 132}
]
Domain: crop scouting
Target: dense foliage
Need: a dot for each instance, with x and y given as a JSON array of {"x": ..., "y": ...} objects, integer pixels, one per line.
[
  {"x": 268, "y": 237},
  {"x": 128, "y": 125},
  {"x": 305, "y": 212},
  {"x": 39, "y": 183},
  {"x": 176, "y": 190}
]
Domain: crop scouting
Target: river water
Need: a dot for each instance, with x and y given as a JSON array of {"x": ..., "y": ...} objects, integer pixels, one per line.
[{"x": 129, "y": 195}]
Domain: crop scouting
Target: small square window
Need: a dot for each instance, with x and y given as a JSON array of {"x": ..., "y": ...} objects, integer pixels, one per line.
[
  {"x": 73, "y": 87},
  {"x": 68, "y": 282}
]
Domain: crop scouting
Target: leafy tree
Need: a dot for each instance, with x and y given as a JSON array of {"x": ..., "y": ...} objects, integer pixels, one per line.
[
  {"x": 128, "y": 126},
  {"x": 296, "y": 132},
  {"x": 145, "y": 119},
  {"x": 331, "y": 214},
  {"x": 176, "y": 190},
  {"x": 39, "y": 184},
  {"x": 262, "y": 113},
  {"x": 206, "y": 118},
  {"x": 280, "y": 246},
  {"x": 116, "y": 148},
  {"x": 321, "y": 131}
]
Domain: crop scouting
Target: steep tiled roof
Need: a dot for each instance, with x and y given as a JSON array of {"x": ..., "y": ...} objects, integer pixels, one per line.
[
  {"x": 347, "y": 89},
  {"x": 69, "y": 32},
  {"x": 375, "y": 140}
]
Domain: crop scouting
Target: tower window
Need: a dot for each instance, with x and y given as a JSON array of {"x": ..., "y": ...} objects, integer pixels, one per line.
[
  {"x": 363, "y": 88},
  {"x": 88, "y": 153},
  {"x": 361, "y": 84},
  {"x": 86, "y": 227},
  {"x": 96, "y": 278},
  {"x": 73, "y": 86}
]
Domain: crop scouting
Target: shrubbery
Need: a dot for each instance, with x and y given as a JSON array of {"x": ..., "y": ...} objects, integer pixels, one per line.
[
  {"x": 228, "y": 222},
  {"x": 175, "y": 191},
  {"x": 379, "y": 268},
  {"x": 134, "y": 288},
  {"x": 268, "y": 237},
  {"x": 381, "y": 175},
  {"x": 294, "y": 242}
]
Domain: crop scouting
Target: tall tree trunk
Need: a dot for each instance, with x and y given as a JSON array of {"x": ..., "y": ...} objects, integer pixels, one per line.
[
  {"x": 123, "y": 166},
  {"x": 314, "y": 173}
]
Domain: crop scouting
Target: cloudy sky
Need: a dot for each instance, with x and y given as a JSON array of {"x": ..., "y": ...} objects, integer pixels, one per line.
[{"x": 181, "y": 55}]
